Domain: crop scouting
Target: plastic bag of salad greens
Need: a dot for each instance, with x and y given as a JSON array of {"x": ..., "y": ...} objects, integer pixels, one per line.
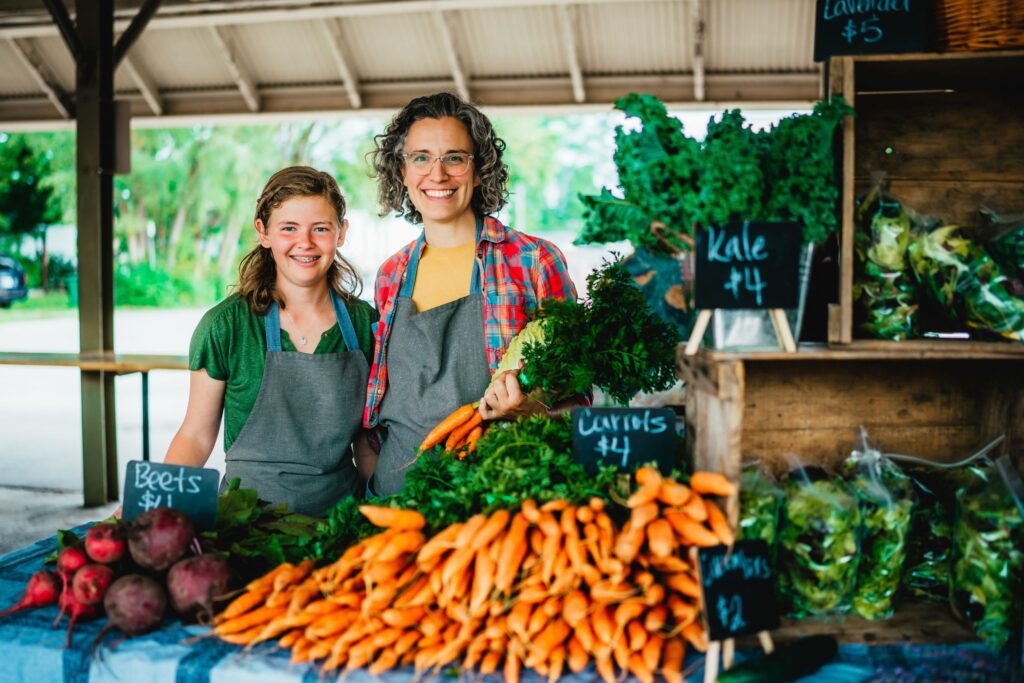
[
  {"x": 926, "y": 571},
  {"x": 886, "y": 499},
  {"x": 964, "y": 280},
  {"x": 884, "y": 289},
  {"x": 988, "y": 553},
  {"x": 760, "y": 502},
  {"x": 1007, "y": 247},
  {"x": 817, "y": 544}
]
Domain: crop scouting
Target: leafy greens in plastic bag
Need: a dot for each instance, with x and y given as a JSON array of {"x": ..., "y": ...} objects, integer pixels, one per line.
[
  {"x": 817, "y": 549},
  {"x": 760, "y": 504},
  {"x": 886, "y": 499},
  {"x": 988, "y": 553}
]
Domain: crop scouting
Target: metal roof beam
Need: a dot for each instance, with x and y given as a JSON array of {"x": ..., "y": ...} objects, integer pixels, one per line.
[
  {"x": 238, "y": 72},
  {"x": 134, "y": 30},
  {"x": 198, "y": 16},
  {"x": 441, "y": 22},
  {"x": 332, "y": 33},
  {"x": 565, "y": 19},
  {"x": 697, "y": 37},
  {"x": 43, "y": 76},
  {"x": 145, "y": 85},
  {"x": 63, "y": 22}
]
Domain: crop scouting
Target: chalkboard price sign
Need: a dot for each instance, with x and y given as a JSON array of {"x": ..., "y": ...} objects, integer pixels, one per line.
[
  {"x": 624, "y": 437},
  {"x": 748, "y": 265},
  {"x": 737, "y": 589},
  {"x": 861, "y": 27},
  {"x": 193, "y": 490}
]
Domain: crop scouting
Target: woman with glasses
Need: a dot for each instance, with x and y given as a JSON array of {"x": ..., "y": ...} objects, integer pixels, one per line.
[{"x": 450, "y": 301}]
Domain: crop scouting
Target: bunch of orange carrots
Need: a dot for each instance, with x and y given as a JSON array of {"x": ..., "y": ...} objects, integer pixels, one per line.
[
  {"x": 458, "y": 432},
  {"x": 547, "y": 587}
]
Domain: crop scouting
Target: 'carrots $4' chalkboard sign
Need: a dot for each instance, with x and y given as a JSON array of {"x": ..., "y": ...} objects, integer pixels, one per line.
[
  {"x": 624, "y": 437},
  {"x": 748, "y": 265}
]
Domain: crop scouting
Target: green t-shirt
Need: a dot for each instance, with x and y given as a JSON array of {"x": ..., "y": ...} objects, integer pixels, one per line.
[{"x": 230, "y": 343}]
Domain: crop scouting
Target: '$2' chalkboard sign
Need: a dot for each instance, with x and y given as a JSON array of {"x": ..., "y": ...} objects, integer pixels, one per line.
[
  {"x": 193, "y": 490},
  {"x": 748, "y": 265},
  {"x": 736, "y": 583},
  {"x": 624, "y": 437}
]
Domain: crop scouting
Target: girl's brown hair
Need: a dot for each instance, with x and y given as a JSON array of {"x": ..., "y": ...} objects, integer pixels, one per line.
[
  {"x": 257, "y": 273},
  {"x": 488, "y": 197}
]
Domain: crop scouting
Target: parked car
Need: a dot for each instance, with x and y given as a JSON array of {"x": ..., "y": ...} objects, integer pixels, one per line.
[{"x": 12, "y": 281}]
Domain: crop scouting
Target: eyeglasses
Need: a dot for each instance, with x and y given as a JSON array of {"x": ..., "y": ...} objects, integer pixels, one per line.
[{"x": 454, "y": 163}]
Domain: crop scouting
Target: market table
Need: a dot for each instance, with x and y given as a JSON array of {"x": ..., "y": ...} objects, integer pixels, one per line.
[{"x": 34, "y": 652}]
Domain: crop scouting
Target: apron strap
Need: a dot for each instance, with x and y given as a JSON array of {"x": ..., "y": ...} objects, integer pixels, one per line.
[
  {"x": 348, "y": 331},
  {"x": 409, "y": 281},
  {"x": 272, "y": 324}
]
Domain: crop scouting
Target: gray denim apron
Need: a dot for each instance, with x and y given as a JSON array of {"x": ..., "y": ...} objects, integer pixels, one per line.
[
  {"x": 295, "y": 446},
  {"x": 437, "y": 361}
]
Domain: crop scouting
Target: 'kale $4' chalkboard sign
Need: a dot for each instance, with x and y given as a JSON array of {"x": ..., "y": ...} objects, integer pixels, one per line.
[
  {"x": 624, "y": 437},
  {"x": 193, "y": 490},
  {"x": 748, "y": 265},
  {"x": 736, "y": 583}
]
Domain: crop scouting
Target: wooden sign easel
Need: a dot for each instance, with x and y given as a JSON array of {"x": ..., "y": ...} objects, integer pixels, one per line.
[
  {"x": 779, "y": 321},
  {"x": 727, "y": 650}
]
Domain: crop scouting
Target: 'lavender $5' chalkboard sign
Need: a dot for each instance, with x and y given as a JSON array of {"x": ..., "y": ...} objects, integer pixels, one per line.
[{"x": 748, "y": 265}]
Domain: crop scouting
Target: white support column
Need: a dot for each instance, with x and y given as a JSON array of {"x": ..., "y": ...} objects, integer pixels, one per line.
[
  {"x": 444, "y": 30},
  {"x": 332, "y": 34},
  {"x": 26, "y": 52},
  {"x": 698, "y": 12},
  {"x": 241, "y": 77},
  {"x": 565, "y": 19},
  {"x": 145, "y": 86}
]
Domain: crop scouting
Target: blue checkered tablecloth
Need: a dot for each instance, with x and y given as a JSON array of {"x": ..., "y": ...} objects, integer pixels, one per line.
[{"x": 33, "y": 651}]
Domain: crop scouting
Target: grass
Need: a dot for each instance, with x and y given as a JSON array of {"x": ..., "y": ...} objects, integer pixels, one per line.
[{"x": 39, "y": 304}]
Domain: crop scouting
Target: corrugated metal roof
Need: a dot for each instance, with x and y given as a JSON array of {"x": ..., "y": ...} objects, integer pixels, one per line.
[{"x": 306, "y": 55}]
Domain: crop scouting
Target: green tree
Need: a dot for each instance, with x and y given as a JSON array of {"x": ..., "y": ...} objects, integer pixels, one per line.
[{"x": 27, "y": 205}]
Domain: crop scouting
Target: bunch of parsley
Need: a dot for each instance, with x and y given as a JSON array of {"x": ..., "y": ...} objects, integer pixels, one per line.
[{"x": 612, "y": 341}]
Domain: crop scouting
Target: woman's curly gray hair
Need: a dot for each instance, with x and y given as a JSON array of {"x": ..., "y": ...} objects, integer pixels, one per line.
[{"x": 488, "y": 197}]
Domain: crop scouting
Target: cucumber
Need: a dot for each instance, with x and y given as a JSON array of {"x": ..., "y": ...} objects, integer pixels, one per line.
[{"x": 789, "y": 662}]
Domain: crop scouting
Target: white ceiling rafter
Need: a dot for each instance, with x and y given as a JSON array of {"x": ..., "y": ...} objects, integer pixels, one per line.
[
  {"x": 145, "y": 84},
  {"x": 335, "y": 42},
  {"x": 238, "y": 72},
  {"x": 441, "y": 23},
  {"x": 29, "y": 57},
  {"x": 567, "y": 22},
  {"x": 698, "y": 28}
]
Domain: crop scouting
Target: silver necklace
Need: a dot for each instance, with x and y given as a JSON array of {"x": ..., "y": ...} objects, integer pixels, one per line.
[{"x": 302, "y": 338}]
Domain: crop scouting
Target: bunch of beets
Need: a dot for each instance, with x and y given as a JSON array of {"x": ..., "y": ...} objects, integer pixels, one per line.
[{"x": 123, "y": 569}]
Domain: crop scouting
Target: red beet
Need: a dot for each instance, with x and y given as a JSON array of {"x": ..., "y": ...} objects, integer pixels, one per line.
[
  {"x": 105, "y": 542},
  {"x": 42, "y": 589},
  {"x": 194, "y": 582},
  {"x": 70, "y": 560},
  {"x": 90, "y": 583},
  {"x": 159, "y": 537},
  {"x": 69, "y": 605},
  {"x": 135, "y": 604}
]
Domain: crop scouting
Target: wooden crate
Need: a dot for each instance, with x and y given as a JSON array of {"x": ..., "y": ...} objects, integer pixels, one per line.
[{"x": 946, "y": 130}]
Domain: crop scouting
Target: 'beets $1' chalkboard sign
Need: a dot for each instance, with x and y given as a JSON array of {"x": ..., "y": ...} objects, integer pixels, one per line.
[
  {"x": 737, "y": 588},
  {"x": 624, "y": 437},
  {"x": 748, "y": 265},
  {"x": 193, "y": 490}
]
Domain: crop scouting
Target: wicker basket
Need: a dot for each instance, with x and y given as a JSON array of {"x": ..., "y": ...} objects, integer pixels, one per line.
[{"x": 962, "y": 25}]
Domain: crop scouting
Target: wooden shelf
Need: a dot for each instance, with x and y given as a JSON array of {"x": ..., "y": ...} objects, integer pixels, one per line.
[
  {"x": 870, "y": 349},
  {"x": 119, "y": 363}
]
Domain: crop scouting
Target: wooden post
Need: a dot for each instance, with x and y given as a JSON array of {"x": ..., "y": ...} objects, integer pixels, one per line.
[
  {"x": 700, "y": 326},
  {"x": 95, "y": 166}
]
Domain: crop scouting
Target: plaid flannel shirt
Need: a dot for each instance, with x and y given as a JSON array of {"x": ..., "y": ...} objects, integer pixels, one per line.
[{"x": 517, "y": 273}]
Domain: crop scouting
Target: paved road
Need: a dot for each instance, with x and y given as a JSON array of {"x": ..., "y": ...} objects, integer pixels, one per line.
[{"x": 40, "y": 408}]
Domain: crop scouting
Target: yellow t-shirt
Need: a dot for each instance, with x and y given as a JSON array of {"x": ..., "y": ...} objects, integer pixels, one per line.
[{"x": 443, "y": 275}]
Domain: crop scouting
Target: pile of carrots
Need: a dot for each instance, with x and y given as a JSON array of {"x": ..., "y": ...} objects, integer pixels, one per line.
[
  {"x": 547, "y": 587},
  {"x": 458, "y": 432}
]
